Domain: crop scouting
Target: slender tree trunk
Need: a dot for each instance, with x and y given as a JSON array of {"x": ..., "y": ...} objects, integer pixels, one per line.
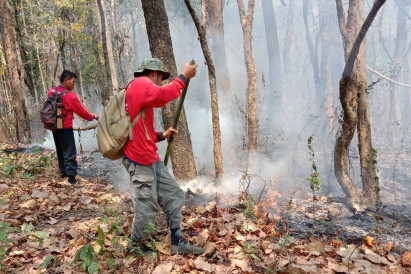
[
  {"x": 407, "y": 97},
  {"x": 330, "y": 93},
  {"x": 313, "y": 51},
  {"x": 80, "y": 77},
  {"x": 274, "y": 60},
  {"x": 103, "y": 84},
  {"x": 30, "y": 82},
  {"x": 401, "y": 48},
  {"x": 19, "y": 105},
  {"x": 247, "y": 24},
  {"x": 6, "y": 107},
  {"x": 5, "y": 100},
  {"x": 161, "y": 47},
  {"x": 62, "y": 53},
  {"x": 111, "y": 72},
  {"x": 289, "y": 35},
  {"x": 76, "y": 67},
  {"x": 38, "y": 55},
  {"x": 354, "y": 100},
  {"x": 134, "y": 26},
  {"x": 215, "y": 26},
  {"x": 215, "y": 117}
]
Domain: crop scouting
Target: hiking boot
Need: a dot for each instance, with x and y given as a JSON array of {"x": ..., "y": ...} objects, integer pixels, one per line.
[
  {"x": 73, "y": 181},
  {"x": 138, "y": 249},
  {"x": 186, "y": 248}
]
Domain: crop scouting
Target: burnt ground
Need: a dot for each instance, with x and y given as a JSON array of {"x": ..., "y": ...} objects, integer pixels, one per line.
[
  {"x": 328, "y": 218},
  {"x": 272, "y": 230}
]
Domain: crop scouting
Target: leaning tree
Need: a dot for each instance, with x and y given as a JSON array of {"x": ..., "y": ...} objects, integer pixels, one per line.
[{"x": 354, "y": 101}]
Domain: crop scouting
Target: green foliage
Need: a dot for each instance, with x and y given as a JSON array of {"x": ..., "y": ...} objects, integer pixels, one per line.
[
  {"x": 47, "y": 261},
  {"x": 110, "y": 262},
  {"x": 5, "y": 229},
  {"x": 249, "y": 249},
  {"x": 284, "y": 241},
  {"x": 150, "y": 228},
  {"x": 88, "y": 256},
  {"x": 101, "y": 238},
  {"x": 250, "y": 206},
  {"x": 41, "y": 235},
  {"x": 26, "y": 166},
  {"x": 314, "y": 179},
  {"x": 27, "y": 228}
]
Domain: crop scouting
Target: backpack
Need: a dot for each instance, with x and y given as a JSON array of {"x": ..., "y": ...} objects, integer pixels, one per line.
[
  {"x": 51, "y": 114},
  {"x": 114, "y": 127}
]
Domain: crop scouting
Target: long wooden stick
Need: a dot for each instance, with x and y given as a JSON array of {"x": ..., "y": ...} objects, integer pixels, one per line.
[
  {"x": 177, "y": 117},
  {"x": 85, "y": 128}
]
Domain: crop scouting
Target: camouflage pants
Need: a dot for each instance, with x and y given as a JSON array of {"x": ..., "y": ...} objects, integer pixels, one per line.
[{"x": 153, "y": 187}]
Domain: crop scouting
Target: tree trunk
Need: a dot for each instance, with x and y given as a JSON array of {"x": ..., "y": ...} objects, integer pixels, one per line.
[
  {"x": 313, "y": 53},
  {"x": 38, "y": 55},
  {"x": 134, "y": 26},
  {"x": 407, "y": 97},
  {"x": 288, "y": 39},
  {"x": 401, "y": 48},
  {"x": 354, "y": 100},
  {"x": 19, "y": 104},
  {"x": 161, "y": 47},
  {"x": 29, "y": 72},
  {"x": 76, "y": 67},
  {"x": 274, "y": 61},
  {"x": 330, "y": 94},
  {"x": 349, "y": 103},
  {"x": 215, "y": 26},
  {"x": 103, "y": 84},
  {"x": 111, "y": 73},
  {"x": 218, "y": 158},
  {"x": 247, "y": 24}
]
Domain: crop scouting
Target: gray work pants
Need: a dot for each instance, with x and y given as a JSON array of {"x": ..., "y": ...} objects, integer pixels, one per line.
[{"x": 153, "y": 187}]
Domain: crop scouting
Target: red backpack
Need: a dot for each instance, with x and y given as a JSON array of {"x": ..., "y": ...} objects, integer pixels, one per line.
[{"x": 51, "y": 114}]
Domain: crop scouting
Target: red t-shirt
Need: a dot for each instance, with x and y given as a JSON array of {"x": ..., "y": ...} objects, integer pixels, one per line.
[
  {"x": 72, "y": 103},
  {"x": 142, "y": 92}
]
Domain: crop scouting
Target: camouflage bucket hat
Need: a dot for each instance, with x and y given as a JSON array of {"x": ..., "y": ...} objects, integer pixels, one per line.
[{"x": 152, "y": 64}]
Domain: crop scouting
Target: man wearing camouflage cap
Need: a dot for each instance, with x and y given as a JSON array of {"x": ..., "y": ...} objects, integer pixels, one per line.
[{"x": 152, "y": 184}]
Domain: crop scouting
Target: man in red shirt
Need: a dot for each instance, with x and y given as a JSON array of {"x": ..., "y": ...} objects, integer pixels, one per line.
[
  {"x": 152, "y": 184},
  {"x": 64, "y": 138}
]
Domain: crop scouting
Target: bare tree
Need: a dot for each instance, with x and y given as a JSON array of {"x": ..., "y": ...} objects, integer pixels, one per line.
[
  {"x": 111, "y": 72},
  {"x": 274, "y": 60},
  {"x": 400, "y": 55},
  {"x": 215, "y": 26},
  {"x": 354, "y": 101},
  {"x": 247, "y": 25},
  {"x": 289, "y": 35},
  {"x": 102, "y": 82},
  {"x": 161, "y": 47},
  {"x": 218, "y": 158}
]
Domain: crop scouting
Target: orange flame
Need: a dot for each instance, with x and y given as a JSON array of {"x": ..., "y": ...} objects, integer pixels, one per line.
[
  {"x": 369, "y": 241},
  {"x": 406, "y": 258},
  {"x": 389, "y": 246}
]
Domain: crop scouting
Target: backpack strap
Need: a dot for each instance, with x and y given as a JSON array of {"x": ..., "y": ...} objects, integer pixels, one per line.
[
  {"x": 61, "y": 93},
  {"x": 131, "y": 126}
]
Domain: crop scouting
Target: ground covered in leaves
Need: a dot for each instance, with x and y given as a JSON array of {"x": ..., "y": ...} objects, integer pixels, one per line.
[{"x": 47, "y": 225}]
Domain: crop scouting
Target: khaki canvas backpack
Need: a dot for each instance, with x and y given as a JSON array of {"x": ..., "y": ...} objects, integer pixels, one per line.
[{"x": 114, "y": 127}]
